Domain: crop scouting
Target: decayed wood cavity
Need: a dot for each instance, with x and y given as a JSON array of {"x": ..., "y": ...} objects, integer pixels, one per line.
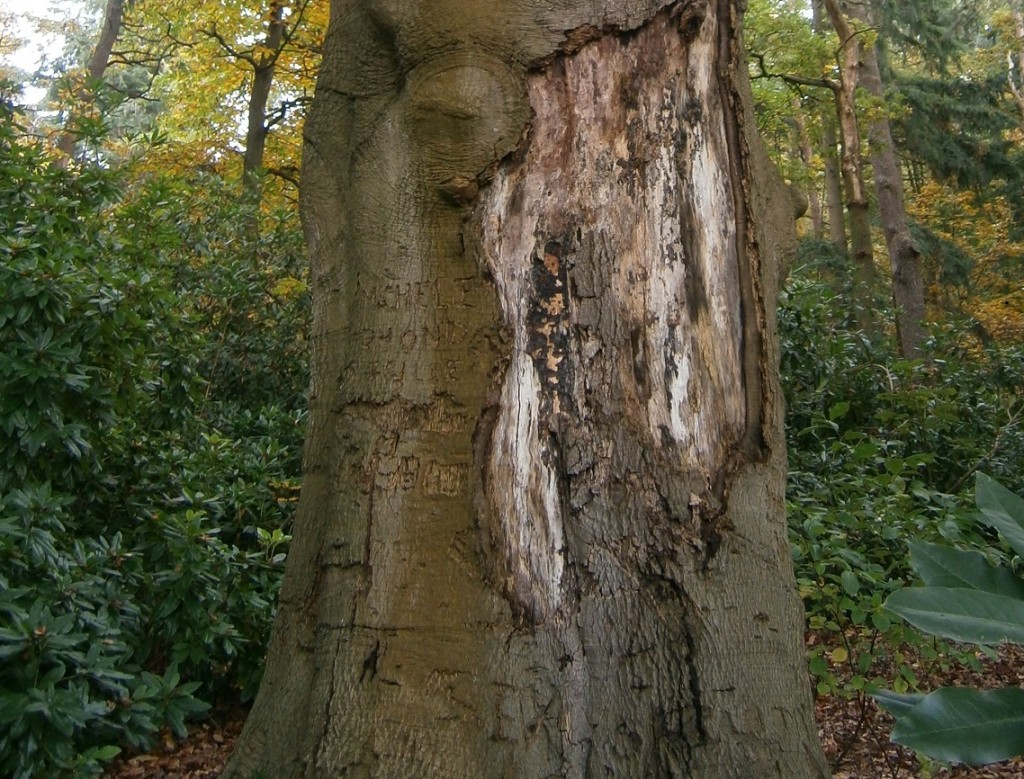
[{"x": 612, "y": 239}]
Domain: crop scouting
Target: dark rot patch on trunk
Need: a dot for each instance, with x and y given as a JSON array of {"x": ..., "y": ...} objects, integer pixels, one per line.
[
  {"x": 634, "y": 205},
  {"x": 547, "y": 324}
]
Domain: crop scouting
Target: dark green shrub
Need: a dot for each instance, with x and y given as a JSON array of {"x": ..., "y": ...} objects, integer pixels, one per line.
[
  {"x": 879, "y": 449},
  {"x": 152, "y": 393},
  {"x": 71, "y": 688},
  {"x": 209, "y": 602}
]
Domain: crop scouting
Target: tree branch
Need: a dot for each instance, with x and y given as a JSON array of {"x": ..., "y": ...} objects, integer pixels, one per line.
[{"x": 822, "y": 83}]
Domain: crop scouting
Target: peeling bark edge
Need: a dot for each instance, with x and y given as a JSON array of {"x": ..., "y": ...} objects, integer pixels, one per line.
[
  {"x": 752, "y": 298},
  {"x": 659, "y": 668},
  {"x": 531, "y": 575}
]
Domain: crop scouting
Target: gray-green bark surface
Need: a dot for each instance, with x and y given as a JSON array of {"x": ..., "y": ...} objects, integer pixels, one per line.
[
  {"x": 852, "y": 165},
  {"x": 541, "y": 530},
  {"x": 904, "y": 258}
]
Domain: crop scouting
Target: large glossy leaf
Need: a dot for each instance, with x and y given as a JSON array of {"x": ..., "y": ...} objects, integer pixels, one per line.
[
  {"x": 957, "y": 724},
  {"x": 897, "y": 703},
  {"x": 1002, "y": 510},
  {"x": 961, "y": 614},
  {"x": 943, "y": 566}
]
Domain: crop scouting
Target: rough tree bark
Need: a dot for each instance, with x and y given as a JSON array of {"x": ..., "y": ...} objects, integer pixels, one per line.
[
  {"x": 852, "y": 165},
  {"x": 110, "y": 29},
  {"x": 541, "y": 531},
  {"x": 904, "y": 258}
]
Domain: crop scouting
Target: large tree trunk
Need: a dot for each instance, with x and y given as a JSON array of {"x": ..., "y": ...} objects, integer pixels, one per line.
[
  {"x": 84, "y": 96},
  {"x": 541, "y": 531},
  {"x": 852, "y": 165},
  {"x": 904, "y": 258}
]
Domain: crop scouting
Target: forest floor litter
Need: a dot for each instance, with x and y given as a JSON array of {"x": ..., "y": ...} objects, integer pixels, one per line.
[{"x": 854, "y": 733}]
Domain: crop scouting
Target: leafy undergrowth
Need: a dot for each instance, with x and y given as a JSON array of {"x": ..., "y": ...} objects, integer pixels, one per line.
[
  {"x": 853, "y": 731},
  {"x": 152, "y": 411},
  {"x": 201, "y": 755}
]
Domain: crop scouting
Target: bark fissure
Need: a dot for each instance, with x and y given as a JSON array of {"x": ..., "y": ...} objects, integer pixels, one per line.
[
  {"x": 747, "y": 252},
  {"x": 326, "y": 724},
  {"x": 693, "y": 677}
]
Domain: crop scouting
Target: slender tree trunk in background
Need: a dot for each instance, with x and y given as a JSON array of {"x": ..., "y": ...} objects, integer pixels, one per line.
[
  {"x": 84, "y": 97},
  {"x": 833, "y": 173},
  {"x": 1015, "y": 70},
  {"x": 541, "y": 530},
  {"x": 262, "y": 81},
  {"x": 852, "y": 165},
  {"x": 904, "y": 258},
  {"x": 833, "y": 183},
  {"x": 806, "y": 152}
]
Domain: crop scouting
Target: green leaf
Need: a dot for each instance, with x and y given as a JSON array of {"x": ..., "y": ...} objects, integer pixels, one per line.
[
  {"x": 9, "y": 650},
  {"x": 850, "y": 583},
  {"x": 961, "y": 614},
  {"x": 897, "y": 703},
  {"x": 943, "y": 566},
  {"x": 838, "y": 411},
  {"x": 108, "y": 752},
  {"x": 1002, "y": 510},
  {"x": 961, "y": 725}
]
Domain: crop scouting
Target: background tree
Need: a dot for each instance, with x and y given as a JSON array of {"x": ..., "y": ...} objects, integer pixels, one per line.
[
  {"x": 805, "y": 150},
  {"x": 10, "y": 42},
  {"x": 858, "y": 207},
  {"x": 904, "y": 258},
  {"x": 1015, "y": 62},
  {"x": 267, "y": 57},
  {"x": 929, "y": 36},
  {"x": 832, "y": 174},
  {"x": 541, "y": 528},
  {"x": 283, "y": 21},
  {"x": 794, "y": 66},
  {"x": 83, "y": 94},
  {"x": 232, "y": 64}
]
